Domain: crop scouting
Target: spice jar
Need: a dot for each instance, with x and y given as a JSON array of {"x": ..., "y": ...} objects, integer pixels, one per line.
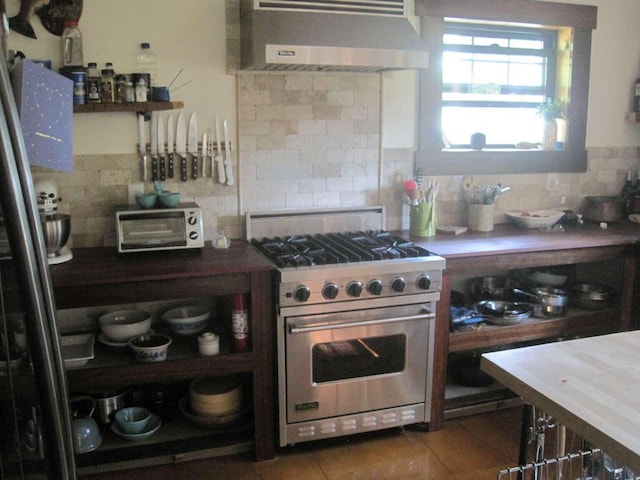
[{"x": 208, "y": 344}]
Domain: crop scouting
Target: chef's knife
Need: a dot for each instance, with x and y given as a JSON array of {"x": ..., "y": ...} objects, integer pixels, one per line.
[
  {"x": 163, "y": 173},
  {"x": 192, "y": 145},
  {"x": 218, "y": 157},
  {"x": 181, "y": 146},
  {"x": 211, "y": 153},
  {"x": 142, "y": 147},
  {"x": 170, "y": 146},
  {"x": 204, "y": 155},
  {"x": 228, "y": 166},
  {"x": 154, "y": 147}
]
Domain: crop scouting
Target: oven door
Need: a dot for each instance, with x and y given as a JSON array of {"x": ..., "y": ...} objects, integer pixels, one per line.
[{"x": 357, "y": 361}]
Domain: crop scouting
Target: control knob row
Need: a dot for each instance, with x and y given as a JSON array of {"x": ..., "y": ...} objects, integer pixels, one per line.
[{"x": 355, "y": 288}]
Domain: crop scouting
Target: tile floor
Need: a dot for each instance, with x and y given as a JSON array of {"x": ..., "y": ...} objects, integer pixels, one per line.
[{"x": 468, "y": 448}]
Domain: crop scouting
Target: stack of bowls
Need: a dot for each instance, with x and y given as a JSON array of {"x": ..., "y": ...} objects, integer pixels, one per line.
[
  {"x": 122, "y": 325},
  {"x": 135, "y": 423},
  {"x": 133, "y": 419},
  {"x": 216, "y": 396}
]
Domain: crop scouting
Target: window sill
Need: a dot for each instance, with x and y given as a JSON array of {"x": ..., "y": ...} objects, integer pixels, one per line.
[{"x": 468, "y": 162}]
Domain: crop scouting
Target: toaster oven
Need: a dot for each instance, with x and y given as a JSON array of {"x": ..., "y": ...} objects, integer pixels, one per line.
[{"x": 146, "y": 229}]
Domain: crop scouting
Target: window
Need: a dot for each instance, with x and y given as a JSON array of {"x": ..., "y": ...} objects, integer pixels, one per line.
[
  {"x": 493, "y": 79},
  {"x": 574, "y": 24}
]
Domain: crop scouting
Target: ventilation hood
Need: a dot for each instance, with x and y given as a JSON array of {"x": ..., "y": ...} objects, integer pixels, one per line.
[{"x": 330, "y": 35}]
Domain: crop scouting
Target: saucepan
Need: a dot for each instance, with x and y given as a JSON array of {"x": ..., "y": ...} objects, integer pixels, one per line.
[
  {"x": 548, "y": 301},
  {"x": 108, "y": 403}
]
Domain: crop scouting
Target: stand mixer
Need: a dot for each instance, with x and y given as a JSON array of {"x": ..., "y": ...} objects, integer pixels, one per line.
[{"x": 55, "y": 226}]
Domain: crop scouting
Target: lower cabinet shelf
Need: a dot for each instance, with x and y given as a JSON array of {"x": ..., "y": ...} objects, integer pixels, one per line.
[
  {"x": 177, "y": 440},
  {"x": 576, "y": 322}
]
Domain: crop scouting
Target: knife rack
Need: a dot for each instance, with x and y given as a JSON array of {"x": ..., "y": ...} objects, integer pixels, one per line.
[{"x": 166, "y": 146}]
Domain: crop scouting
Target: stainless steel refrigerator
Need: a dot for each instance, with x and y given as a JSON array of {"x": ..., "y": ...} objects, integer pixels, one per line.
[{"x": 35, "y": 418}]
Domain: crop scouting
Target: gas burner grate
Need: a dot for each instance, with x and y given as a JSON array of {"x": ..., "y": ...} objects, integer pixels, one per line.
[{"x": 334, "y": 248}]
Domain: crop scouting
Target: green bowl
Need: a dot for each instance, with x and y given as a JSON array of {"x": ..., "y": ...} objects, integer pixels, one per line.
[
  {"x": 169, "y": 199},
  {"x": 146, "y": 200}
]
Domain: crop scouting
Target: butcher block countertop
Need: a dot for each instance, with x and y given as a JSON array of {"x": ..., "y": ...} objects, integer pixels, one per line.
[{"x": 592, "y": 385}]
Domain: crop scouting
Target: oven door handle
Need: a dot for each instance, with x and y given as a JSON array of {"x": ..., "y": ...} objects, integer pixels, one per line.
[{"x": 317, "y": 327}]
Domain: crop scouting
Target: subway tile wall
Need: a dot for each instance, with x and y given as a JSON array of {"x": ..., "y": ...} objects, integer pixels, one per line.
[{"x": 308, "y": 140}]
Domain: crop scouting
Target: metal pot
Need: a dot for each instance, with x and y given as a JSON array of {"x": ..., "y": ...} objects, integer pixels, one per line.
[
  {"x": 590, "y": 297},
  {"x": 107, "y": 404},
  {"x": 602, "y": 209},
  {"x": 550, "y": 302},
  {"x": 492, "y": 288}
]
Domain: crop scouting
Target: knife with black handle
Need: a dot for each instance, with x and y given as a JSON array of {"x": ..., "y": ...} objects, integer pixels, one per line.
[
  {"x": 181, "y": 146},
  {"x": 161, "y": 165},
  {"x": 170, "y": 146},
  {"x": 154, "y": 147},
  {"x": 193, "y": 145}
]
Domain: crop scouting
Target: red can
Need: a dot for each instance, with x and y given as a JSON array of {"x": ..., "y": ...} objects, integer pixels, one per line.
[{"x": 240, "y": 323}]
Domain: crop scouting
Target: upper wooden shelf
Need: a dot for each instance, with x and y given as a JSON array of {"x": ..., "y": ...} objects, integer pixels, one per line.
[{"x": 126, "y": 107}]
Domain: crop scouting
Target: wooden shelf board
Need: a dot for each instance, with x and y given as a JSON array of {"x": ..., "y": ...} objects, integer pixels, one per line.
[{"x": 126, "y": 107}]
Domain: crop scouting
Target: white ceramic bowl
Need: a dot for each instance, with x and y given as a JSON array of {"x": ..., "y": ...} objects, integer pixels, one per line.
[
  {"x": 133, "y": 419},
  {"x": 187, "y": 320},
  {"x": 535, "y": 218},
  {"x": 151, "y": 347},
  {"x": 122, "y": 325}
]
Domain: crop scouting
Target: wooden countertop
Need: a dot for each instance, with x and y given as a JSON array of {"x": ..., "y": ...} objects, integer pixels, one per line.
[
  {"x": 592, "y": 385},
  {"x": 509, "y": 239},
  {"x": 104, "y": 265}
]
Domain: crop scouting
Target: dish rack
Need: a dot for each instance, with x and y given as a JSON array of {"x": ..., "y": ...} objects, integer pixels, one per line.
[
  {"x": 582, "y": 465},
  {"x": 589, "y": 463}
]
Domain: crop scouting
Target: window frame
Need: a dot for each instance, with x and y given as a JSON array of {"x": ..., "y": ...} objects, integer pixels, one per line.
[{"x": 432, "y": 158}]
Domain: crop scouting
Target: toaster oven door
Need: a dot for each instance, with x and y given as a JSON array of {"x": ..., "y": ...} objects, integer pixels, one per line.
[{"x": 152, "y": 231}]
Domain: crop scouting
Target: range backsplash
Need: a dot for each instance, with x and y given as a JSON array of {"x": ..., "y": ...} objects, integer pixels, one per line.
[{"x": 98, "y": 183}]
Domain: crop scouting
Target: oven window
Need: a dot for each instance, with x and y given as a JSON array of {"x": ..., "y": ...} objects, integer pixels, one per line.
[{"x": 358, "y": 357}]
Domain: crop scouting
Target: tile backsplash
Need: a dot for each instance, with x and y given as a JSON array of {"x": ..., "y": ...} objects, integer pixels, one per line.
[{"x": 313, "y": 141}]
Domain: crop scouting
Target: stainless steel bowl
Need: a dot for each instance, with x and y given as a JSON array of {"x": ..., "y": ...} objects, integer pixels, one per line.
[{"x": 56, "y": 228}]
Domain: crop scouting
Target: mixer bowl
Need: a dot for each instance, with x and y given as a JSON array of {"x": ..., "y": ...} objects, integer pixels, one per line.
[{"x": 56, "y": 228}]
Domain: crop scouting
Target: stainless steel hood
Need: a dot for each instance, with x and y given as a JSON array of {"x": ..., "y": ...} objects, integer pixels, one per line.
[{"x": 329, "y": 35}]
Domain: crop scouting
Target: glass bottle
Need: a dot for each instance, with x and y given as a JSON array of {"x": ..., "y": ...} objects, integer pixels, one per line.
[
  {"x": 626, "y": 195},
  {"x": 72, "y": 53},
  {"x": 106, "y": 80},
  {"x": 94, "y": 86},
  {"x": 146, "y": 61}
]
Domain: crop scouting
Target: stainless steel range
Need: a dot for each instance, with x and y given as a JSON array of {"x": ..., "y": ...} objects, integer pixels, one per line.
[{"x": 356, "y": 321}]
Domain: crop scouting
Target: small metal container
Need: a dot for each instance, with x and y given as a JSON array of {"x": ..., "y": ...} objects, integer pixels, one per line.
[{"x": 602, "y": 209}]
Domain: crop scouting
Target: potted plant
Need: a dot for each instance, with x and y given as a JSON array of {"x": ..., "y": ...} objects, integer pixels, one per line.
[{"x": 551, "y": 111}]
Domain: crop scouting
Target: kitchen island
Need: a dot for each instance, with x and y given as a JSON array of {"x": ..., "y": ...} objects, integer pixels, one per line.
[
  {"x": 509, "y": 247},
  {"x": 101, "y": 277},
  {"x": 591, "y": 385}
]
